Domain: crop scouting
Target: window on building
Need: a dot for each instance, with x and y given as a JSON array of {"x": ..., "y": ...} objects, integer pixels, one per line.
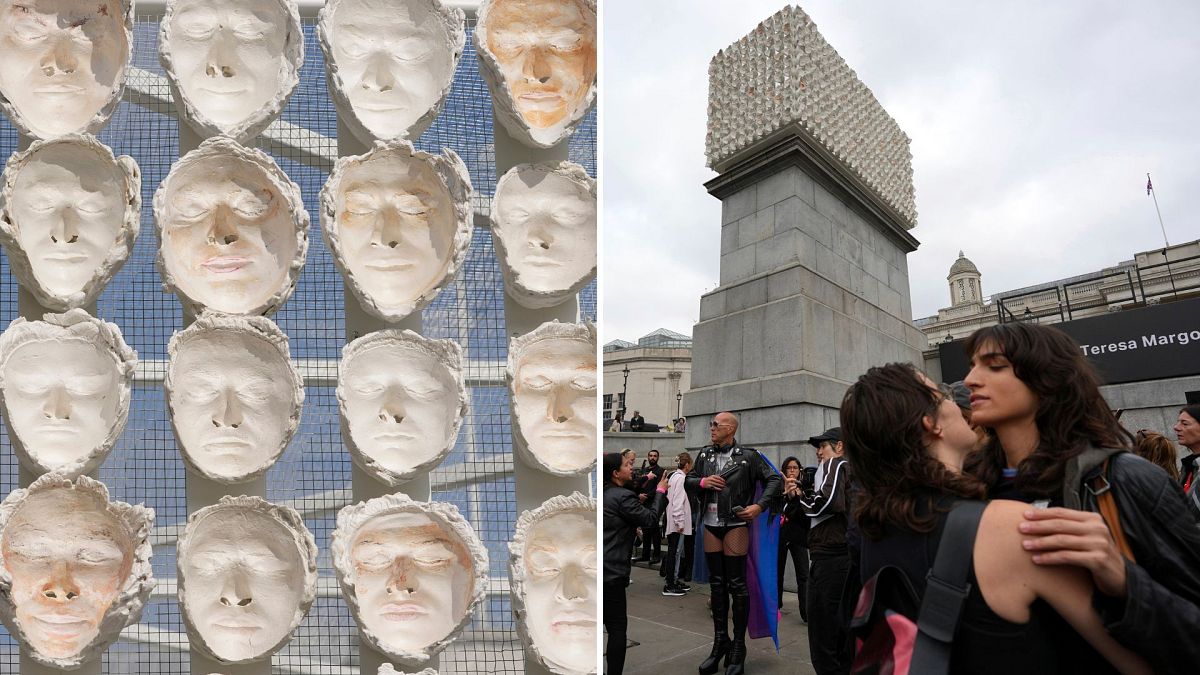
[{"x": 608, "y": 400}]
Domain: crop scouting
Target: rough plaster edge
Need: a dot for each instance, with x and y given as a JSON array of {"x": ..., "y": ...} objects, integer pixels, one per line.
[
  {"x": 246, "y": 130},
  {"x": 126, "y": 608},
  {"x": 450, "y": 168},
  {"x": 117, "y": 254},
  {"x": 525, "y": 296},
  {"x": 505, "y": 109},
  {"x": 576, "y": 502},
  {"x": 256, "y": 327},
  {"x": 389, "y": 669},
  {"x": 222, "y": 150},
  {"x": 455, "y": 23},
  {"x": 284, "y": 516},
  {"x": 351, "y": 518}
]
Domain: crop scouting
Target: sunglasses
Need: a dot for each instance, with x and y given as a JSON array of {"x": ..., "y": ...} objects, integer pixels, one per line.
[{"x": 714, "y": 424}]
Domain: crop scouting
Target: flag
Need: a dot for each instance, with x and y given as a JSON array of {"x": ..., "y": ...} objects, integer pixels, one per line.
[{"x": 1149, "y": 187}]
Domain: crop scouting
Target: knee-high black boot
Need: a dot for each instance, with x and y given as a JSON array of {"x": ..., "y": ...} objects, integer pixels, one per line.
[
  {"x": 735, "y": 579},
  {"x": 720, "y": 613}
]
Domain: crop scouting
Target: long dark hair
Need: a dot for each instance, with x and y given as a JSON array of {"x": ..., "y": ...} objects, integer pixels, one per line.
[
  {"x": 784, "y": 465},
  {"x": 885, "y": 442},
  {"x": 1071, "y": 413}
]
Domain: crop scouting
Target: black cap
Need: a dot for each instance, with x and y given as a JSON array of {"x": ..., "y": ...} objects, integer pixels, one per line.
[{"x": 833, "y": 435}]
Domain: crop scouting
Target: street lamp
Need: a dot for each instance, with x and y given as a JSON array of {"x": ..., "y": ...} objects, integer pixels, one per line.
[
  {"x": 678, "y": 404},
  {"x": 624, "y": 390}
]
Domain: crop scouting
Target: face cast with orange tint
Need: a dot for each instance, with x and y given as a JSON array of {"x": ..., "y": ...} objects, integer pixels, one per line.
[
  {"x": 560, "y": 579},
  {"x": 998, "y": 396},
  {"x": 68, "y": 558},
  {"x": 412, "y": 579}
]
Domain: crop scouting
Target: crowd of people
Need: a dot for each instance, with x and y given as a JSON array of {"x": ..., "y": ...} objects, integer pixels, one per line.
[{"x": 1081, "y": 540}]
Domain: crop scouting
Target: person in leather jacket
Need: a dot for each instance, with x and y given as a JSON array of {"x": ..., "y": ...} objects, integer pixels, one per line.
[
  {"x": 623, "y": 514},
  {"x": 724, "y": 479},
  {"x": 1053, "y": 439}
]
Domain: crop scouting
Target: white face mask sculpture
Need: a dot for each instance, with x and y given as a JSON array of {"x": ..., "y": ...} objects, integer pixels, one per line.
[
  {"x": 233, "y": 394},
  {"x": 390, "y": 63},
  {"x": 74, "y": 568},
  {"x": 552, "y": 381},
  {"x": 538, "y": 58},
  {"x": 411, "y": 572},
  {"x": 398, "y": 222},
  {"x": 69, "y": 214},
  {"x": 553, "y": 573},
  {"x": 402, "y": 399},
  {"x": 247, "y": 577},
  {"x": 232, "y": 63},
  {"x": 232, "y": 228},
  {"x": 65, "y": 383},
  {"x": 544, "y": 230},
  {"x": 64, "y": 63}
]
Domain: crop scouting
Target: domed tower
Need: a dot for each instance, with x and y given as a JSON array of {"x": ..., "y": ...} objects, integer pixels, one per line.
[{"x": 965, "y": 285}]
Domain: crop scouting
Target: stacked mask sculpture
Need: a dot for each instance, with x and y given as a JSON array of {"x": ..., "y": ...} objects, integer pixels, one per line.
[
  {"x": 69, "y": 215},
  {"x": 232, "y": 64},
  {"x": 402, "y": 399},
  {"x": 552, "y": 577},
  {"x": 234, "y": 395},
  {"x": 74, "y": 568},
  {"x": 411, "y": 572},
  {"x": 538, "y": 58},
  {"x": 552, "y": 380},
  {"x": 544, "y": 228},
  {"x": 390, "y": 63},
  {"x": 398, "y": 222},
  {"x": 233, "y": 230},
  {"x": 65, "y": 383},
  {"x": 247, "y": 572},
  {"x": 64, "y": 63}
]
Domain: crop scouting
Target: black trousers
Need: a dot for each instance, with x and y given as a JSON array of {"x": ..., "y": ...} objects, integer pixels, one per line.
[
  {"x": 616, "y": 622},
  {"x": 652, "y": 542},
  {"x": 677, "y": 566},
  {"x": 799, "y": 553},
  {"x": 826, "y": 644}
]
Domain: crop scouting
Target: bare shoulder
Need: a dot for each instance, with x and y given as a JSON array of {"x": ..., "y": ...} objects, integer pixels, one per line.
[{"x": 1005, "y": 572}]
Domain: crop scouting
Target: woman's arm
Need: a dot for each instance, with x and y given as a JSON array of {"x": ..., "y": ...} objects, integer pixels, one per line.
[{"x": 1010, "y": 582}]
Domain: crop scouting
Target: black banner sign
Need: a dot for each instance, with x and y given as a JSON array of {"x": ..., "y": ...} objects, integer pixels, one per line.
[{"x": 1148, "y": 343}]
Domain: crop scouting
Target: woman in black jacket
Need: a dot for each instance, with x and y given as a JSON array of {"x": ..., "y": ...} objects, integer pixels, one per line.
[
  {"x": 623, "y": 514},
  {"x": 1053, "y": 439},
  {"x": 793, "y": 534}
]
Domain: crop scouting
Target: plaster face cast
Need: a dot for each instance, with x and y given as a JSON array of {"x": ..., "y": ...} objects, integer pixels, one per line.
[
  {"x": 552, "y": 379},
  {"x": 74, "y": 568},
  {"x": 539, "y": 60},
  {"x": 66, "y": 385},
  {"x": 234, "y": 396},
  {"x": 402, "y": 399},
  {"x": 544, "y": 222},
  {"x": 69, "y": 215},
  {"x": 233, "y": 63},
  {"x": 233, "y": 230},
  {"x": 399, "y": 223},
  {"x": 64, "y": 63},
  {"x": 388, "y": 669},
  {"x": 411, "y": 572},
  {"x": 553, "y": 572},
  {"x": 247, "y": 577},
  {"x": 390, "y": 63}
]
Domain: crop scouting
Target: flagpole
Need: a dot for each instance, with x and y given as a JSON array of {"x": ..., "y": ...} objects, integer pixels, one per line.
[{"x": 1150, "y": 189}]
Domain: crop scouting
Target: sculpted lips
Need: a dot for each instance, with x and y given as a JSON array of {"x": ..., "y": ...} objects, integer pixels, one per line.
[
  {"x": 403, "y": 611},
  {"x": 541, "y": 100},
  {"x": 225, "y": 264},
  {"x": 542, "y": 261},
  {"x": 61, "y": 624},
  {"x": 226, "y": 445},
  {"x": 573, "y": 622},
  {"x": 58, "y": 89},
  {"x": 65, "y": 257}
]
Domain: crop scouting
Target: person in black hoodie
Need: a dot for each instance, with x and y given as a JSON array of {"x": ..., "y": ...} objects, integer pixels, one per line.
[
  {"x": 645, "y": 488},
  {"x": 623, "y": 514},
  {"x": 826, "y": 505}
]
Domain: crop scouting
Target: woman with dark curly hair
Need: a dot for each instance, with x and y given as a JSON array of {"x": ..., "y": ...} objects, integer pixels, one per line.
[
  {"x": 1157, "y": 449},
  {"x": 1054, "y": 440},
  {"x": 906, "y": 441}
]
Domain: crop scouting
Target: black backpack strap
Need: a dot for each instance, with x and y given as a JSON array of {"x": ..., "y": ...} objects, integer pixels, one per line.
[{"x": 946, "y": 589}]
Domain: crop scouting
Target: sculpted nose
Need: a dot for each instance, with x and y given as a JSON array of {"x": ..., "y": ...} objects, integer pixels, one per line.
[
  {"x": 402, "y": 579},
  {"x": 378, "y": 75},
  {"x": 66, "y": 229},
  {"x": 392, "y": 410},
  {"x": 558, "y": 409},
  {"x": 572, "y": 584},
  {"x": 58, "y": 404},
  {"x": 537, "y": 66},
  {"x": 234, "y": 592},
  {"x": 221, "y": 60},
  {"x": 229, "y": 412},
  {"x": 60, "y": 587},
  {"x": 224, "y": 228},
  {"x": 388, "y": 228},
  {"x": 60, "y": 59}
]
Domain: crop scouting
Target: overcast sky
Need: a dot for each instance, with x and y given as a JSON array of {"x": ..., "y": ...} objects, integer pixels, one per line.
[{"x": 1033, "y": 125}]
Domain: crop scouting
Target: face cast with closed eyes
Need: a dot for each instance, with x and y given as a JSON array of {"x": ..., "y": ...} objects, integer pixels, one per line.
[
  {"x": 555, "y": 577},
  {"x": 64, "y": 63},
  {"x": 233, "y": 229},
  {"x": 234, "y": 396},
  {"x": 234, "y": 62},
  {"x": 402, "y": 400},
  {"x": 552, "y": 376},
  {"x": 544, "y": 219},
  {"x": 393, "y": 61},
  {"x": 70, "y": 218},
  {"x": 398, "y": 222},
  {"x": 544, "y": 55},
  {"x": 247, "y": 573}
]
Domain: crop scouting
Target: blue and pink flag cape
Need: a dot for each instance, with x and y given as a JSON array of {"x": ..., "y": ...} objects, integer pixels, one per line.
[{"x": 761, "y": 560}]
